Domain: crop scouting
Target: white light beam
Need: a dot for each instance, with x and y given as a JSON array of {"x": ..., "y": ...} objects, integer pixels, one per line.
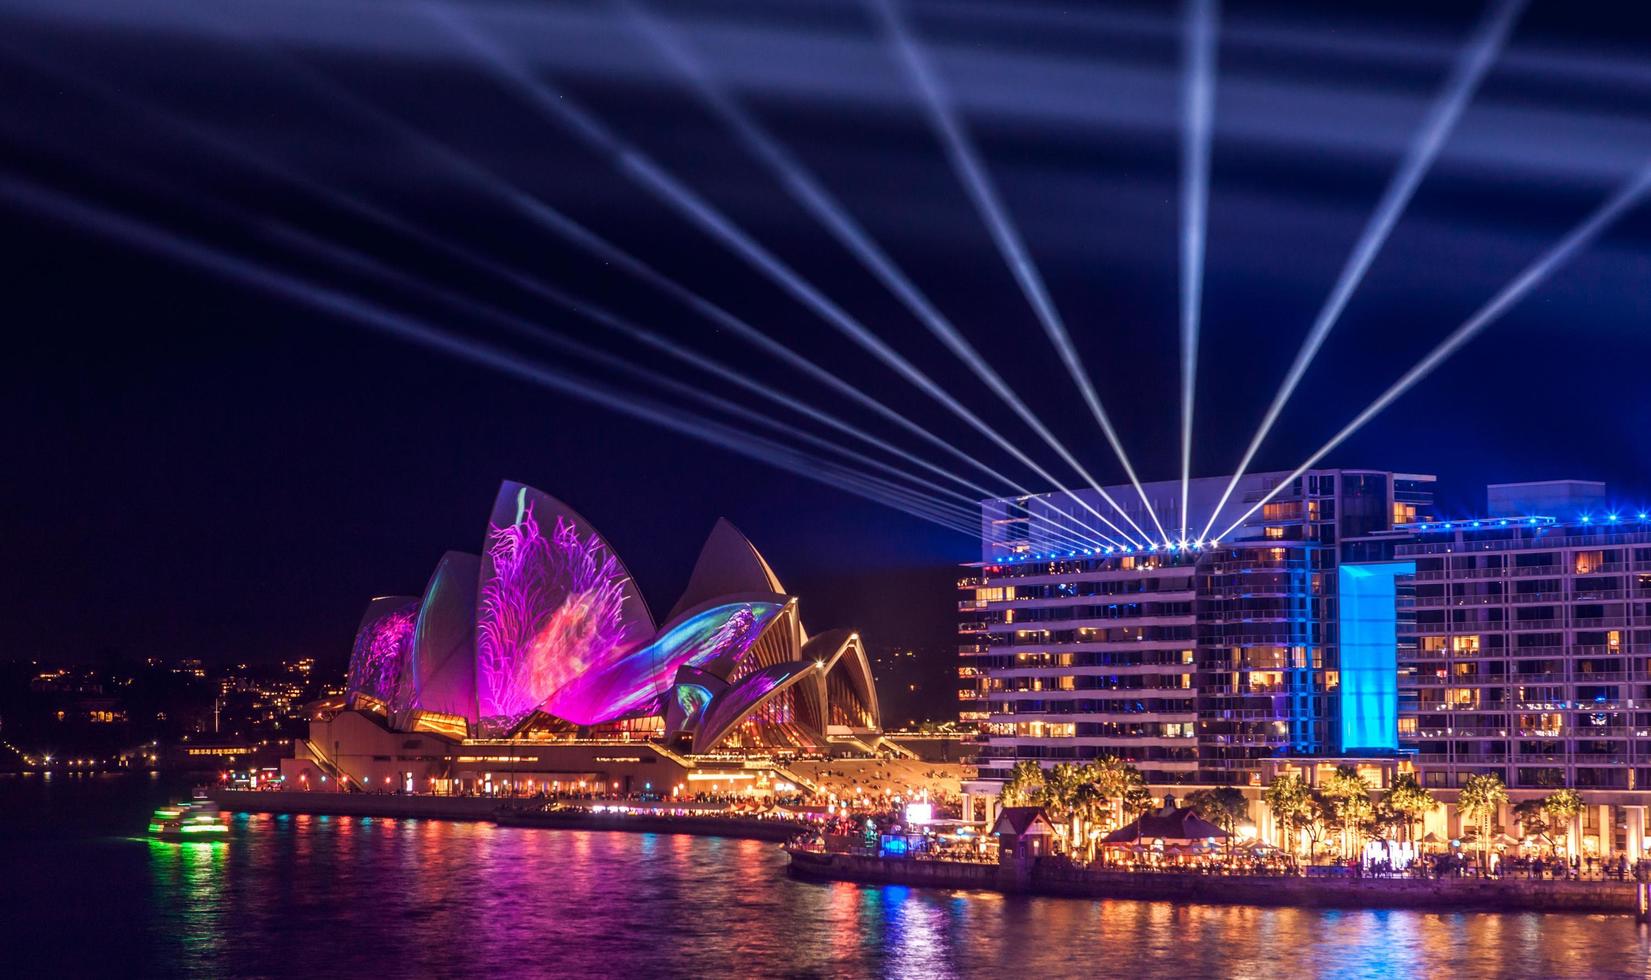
[
  {"x": 1198, "y": 117},
  {"x": 1580, "y": 237},
  {"x": 631, "y": 161},
  {"x": 971, "y": 172},
  {"x": 809, "y": 192},
  {"x": 1470, "y": 69}
]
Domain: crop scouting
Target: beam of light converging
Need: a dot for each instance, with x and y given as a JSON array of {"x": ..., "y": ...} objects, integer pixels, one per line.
[
  {"x": 629, "y": 160},
  {"x": 606, "y": 251},
  {"x": 768, "y": 392},
  {"x": 929, "y": 497},
  {"x": 191, "y": 132},
  {"x": 536, "y": 333},
  {"x": 971, "y": 172},
  {"x": 1198, "y": 123},
  {"x": 37, "y": 199},
  {"x": 1625, "y": 198},
  {"x": 338, "y": 97},
  {"x": 1463, "y": 80},
  {"x": 809, "y": 192},
  {"x": 260, "y": 164}
]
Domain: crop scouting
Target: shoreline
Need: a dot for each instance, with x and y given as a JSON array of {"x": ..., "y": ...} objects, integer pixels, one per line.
[
  {"x": 471, "y": 808},
  {"x": 1047, "y": 879},
  {"x": 1043, "y": 878}
]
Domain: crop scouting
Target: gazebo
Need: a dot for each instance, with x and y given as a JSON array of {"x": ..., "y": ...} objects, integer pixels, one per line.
[{"x": 1023, "y": 832}]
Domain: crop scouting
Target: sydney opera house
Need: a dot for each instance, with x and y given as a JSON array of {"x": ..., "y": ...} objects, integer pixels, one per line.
[{"x": 528, "y": 664}]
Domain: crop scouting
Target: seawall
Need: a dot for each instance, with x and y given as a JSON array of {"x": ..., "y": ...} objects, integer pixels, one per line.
[
  {"x": 357, "y": 804},
  {"x": 769, "y": 830},
  {"x": 1049, "y": 878},
  {"x": 483, "y": 808}
]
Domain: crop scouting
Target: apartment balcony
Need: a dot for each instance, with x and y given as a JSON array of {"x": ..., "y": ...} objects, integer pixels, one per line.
[{"x": 1610, "y": 622}]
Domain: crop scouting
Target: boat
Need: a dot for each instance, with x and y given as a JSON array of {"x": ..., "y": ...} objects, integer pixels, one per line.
[{"x": 186, "y": 822}]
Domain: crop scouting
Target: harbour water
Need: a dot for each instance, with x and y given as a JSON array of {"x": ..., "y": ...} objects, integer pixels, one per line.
[{"x": 84, "y": 893}]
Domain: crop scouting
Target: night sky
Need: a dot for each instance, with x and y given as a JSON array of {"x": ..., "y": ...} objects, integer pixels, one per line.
[{"x": 198, "y": 468}]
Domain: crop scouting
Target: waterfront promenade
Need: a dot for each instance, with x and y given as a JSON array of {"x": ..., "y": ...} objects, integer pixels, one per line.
[
  {"x": 597, "y": 815},
  {"x": 1055, "y": 877}
]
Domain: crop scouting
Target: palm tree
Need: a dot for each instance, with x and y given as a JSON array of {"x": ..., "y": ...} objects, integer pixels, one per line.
[
  {"x": 1024, "y": 786},
  {"x": 1089, "y": 808},
  {"x": 1348, "y": 796},
  {"x": 1286, "y": 796},
  {"x": 1060, "y": 795},
  {"x": 1562, "y": 806},
  {"x": 1118, "y": 782},
  {"x": 1408, "y": 798},
  {"x": 1481, "y": 797}
]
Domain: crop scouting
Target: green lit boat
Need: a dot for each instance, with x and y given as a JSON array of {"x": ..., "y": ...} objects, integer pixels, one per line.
[{"x": 186, "y": 823}]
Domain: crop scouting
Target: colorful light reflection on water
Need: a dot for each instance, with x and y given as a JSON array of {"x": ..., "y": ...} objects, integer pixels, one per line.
[{"x": 310, "y": 895}]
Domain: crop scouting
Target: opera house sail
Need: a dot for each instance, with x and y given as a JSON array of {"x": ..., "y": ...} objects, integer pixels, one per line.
[{"x": 545, "y": 634}]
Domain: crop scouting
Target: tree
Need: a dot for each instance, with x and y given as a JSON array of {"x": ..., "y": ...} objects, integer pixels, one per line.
[
  {"x": 1533, "y": 819},
  {"x": 1286, "y": 796},
  {"x": 1090, "y": 809},
  {"x": 1061, "y": 786},
  {"x": 1347, "y": 799},
  {"x": 1410, "y": 800},
  {"x": 1223, "y": 806},
  {"x": 1562, "y": 806},
  {"x": 1315, "y": 820},
  {"x": 1137, "y": 802},
  {"x": 1482, "y": 796},
  {"x": 1118, "y": 782},
  {"x": 1024, "y": 787}
]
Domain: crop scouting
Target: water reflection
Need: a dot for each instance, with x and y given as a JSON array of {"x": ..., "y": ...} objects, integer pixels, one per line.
[
  {"x": 406, "y": 896},
  {"x": 328, "y": 896}
]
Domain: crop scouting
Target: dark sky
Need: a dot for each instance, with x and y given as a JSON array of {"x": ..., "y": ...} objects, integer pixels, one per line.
[{"x": 195, "y": 467}]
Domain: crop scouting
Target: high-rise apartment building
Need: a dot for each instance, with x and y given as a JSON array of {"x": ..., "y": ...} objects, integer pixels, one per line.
[
  {"x": 1197, "y": 663},
  {"x": 1528, "y": 651}
]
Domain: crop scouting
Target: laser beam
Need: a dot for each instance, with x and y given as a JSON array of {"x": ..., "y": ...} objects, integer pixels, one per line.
[
  {"x": 194, "y": 133},
  {"x": 1463, "y": 80},
  {"x": 971, "y": 173},
  {"x": 536, "y": 333},
  {"x": 809, "y": 192},
  {"x": 33, "y": 197},
  {"x": 1197, "y": 120},
  {"x": 337, "y": 96},
  {"x": 1624, "y": 199},
  {"x": 638, "y": 166}
]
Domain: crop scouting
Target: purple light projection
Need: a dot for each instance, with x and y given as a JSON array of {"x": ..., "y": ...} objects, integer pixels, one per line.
[
  {"x": 729, "y": 706},
  {"x": 551, "y": 608},
  {"x": 634, "y": 683},
  {"x": 382, "y": 646}
]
